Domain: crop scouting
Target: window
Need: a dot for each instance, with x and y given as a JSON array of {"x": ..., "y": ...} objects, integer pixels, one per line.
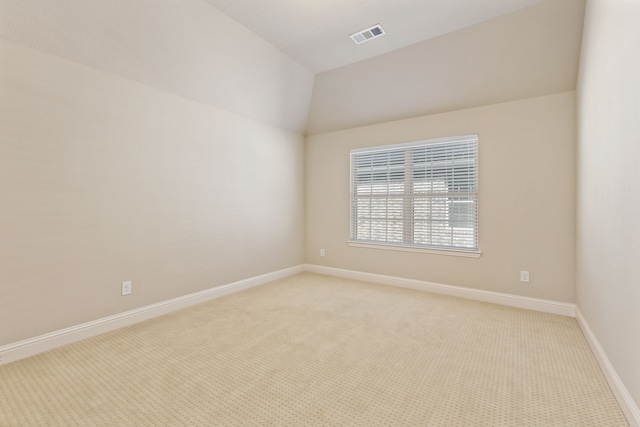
[{"x": 421, "y": 195}]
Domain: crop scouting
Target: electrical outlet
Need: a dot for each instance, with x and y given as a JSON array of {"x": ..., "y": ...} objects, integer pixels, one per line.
[
  {"x": 126, "y": 288},
  {"x": 321, "y": 252},
  {"x": 524, "y": 276}
]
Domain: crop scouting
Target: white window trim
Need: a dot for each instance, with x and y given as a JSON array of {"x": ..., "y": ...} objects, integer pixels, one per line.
[{"x": 405, "y": 248}]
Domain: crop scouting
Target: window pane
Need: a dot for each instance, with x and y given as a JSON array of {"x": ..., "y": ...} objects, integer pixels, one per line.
[{"x": 419, "y": 194}]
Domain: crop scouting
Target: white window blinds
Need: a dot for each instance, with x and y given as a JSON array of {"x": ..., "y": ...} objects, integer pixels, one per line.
[{"x": 421, "y": 194}]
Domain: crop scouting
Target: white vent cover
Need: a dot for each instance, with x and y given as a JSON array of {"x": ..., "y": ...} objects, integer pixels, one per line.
[{"x": 368, "y": 34}]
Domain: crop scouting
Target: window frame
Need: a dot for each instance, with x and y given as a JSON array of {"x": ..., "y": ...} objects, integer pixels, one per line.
[{"x": 408, "y": 166}]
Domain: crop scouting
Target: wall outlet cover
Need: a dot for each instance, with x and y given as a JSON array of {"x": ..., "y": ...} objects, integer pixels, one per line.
[{"x": 126, "y": 288}]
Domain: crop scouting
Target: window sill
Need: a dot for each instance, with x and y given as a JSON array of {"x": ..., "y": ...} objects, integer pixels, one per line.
[{"x": 448, "y": 252}]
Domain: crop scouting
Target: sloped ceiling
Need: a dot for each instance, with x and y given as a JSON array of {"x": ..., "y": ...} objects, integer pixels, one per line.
[
  {"x": 315, "y": 32},
  {"x": 531, "y": 52},
  {"x": 195, "y": 50},
  {"x": 185, "y": 47}
]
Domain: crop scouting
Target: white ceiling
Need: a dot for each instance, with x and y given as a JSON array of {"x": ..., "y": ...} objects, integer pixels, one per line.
[
  {"x": 531, "y": 52},
  {"x": 438, "y": 55},
  {"x": 316, "y": 32}
]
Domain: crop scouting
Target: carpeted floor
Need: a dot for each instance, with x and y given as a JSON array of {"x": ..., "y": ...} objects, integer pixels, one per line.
[{"x": 312, "y": 350}]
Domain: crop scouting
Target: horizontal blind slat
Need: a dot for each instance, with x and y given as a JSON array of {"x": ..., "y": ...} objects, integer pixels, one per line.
[{"x": 421, "y": 194}]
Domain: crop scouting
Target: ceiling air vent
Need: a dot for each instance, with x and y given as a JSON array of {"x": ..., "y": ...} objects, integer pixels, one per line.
[{"x": 368, "y": 34}]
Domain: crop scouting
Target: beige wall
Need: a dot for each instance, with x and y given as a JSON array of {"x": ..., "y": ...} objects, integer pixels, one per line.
[
  {"x": 608, "y": 224},
  {"x": 526, "y": 198},
  {"x": 104, "y": 180}
]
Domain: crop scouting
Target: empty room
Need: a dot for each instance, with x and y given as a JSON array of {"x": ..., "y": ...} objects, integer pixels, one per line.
[{"x": 319, "y": 213}]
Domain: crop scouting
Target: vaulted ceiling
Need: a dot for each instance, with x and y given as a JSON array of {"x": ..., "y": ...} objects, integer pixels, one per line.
[
  {"x": 315, "y": 33},
  {"x": 437, "y": 55},
  {"x": 530, "y": 52}
]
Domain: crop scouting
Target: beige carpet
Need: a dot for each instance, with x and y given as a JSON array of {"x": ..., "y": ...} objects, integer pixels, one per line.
[{"x": 313, "y": 350}]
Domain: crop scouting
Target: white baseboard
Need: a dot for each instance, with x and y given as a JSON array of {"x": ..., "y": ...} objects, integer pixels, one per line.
[
  {"x": 39, "y": 344},
  {"x": 536, "y": 304},
  {"x": 626, "y": 402}
]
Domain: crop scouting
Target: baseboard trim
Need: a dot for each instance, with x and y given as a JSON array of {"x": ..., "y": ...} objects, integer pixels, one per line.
[
  {"x": 528, "y": 303},
  {"x": 626, "y": 402},
  {"x": 30, "y": 347}
]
